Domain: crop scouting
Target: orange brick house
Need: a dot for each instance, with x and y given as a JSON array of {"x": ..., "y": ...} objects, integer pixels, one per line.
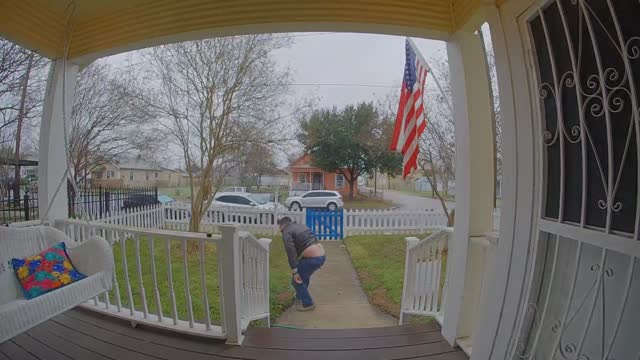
[{"x": 305, "y": 176}]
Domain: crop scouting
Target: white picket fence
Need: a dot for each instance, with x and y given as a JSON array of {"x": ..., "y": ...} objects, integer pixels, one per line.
[
  {"x": 392, "y": 221},
  {"x": 356, "y": 221},
  {"x": 149, "y": 217},
  {"x": 258, "y": 221},
  {"x": 424, "y": 293},
  {"x": 265, "y": 221}
]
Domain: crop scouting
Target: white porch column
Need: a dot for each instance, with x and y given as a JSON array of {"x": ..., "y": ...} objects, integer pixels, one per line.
[
  {"x": 229, "y": 257},
  {"x": 474, "y": 177},
  {"x": 52, "y": 161}
]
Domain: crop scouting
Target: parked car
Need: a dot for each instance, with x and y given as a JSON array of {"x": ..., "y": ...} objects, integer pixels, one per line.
[
  {"x": 138, "y": 200},
  {"x": 331, "y": 200},
  {"x": 243, "y": 200},
  {"x": 235, "y": 189}
]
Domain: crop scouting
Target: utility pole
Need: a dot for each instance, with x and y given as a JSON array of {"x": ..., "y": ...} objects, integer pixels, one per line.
[{"x": 21, "y": 114}]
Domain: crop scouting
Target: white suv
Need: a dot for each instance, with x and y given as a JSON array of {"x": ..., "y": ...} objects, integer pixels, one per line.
[
  {"x": 331, "y": 200},
  {"x": 243, "y": 200}
]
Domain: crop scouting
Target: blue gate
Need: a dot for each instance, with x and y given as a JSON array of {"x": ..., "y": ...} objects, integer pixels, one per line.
[{"x": 326, "y": 224}]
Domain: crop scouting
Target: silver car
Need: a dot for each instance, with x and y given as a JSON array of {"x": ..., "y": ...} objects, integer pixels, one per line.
[{"x": 331, "y": 200}]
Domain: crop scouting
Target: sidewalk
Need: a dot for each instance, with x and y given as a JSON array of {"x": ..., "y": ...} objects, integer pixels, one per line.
[{"x": 340, "y": 301}]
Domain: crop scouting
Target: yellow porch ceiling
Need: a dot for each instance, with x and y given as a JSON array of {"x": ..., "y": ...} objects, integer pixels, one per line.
[{"x": 101, "y": 27}]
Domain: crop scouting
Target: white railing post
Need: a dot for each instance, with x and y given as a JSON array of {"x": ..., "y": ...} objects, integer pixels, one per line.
[
  {"x": 411, "y": 242},
  {"x": 230, "y": 258}
]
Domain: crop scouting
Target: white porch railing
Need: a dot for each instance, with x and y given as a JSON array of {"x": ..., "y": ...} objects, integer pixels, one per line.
[
  {"x": 255, "y": 279},
  {"x": 172, "y": 279},
  {"x": 426, "y": 276}
]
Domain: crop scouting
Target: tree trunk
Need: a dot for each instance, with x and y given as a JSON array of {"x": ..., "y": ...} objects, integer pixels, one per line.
[
  {"x": 351, "y": 183},
  {"x": 21, "y": 110},
  {"x": 434, "y": 187},
  {"x": 375, "y": 183}
]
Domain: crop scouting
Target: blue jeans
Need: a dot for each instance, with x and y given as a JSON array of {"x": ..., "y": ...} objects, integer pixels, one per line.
[{"x": 306, "y": 267}]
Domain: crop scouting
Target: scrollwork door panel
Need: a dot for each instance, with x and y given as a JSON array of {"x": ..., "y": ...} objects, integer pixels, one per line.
[{"x": 583, "y": 301}]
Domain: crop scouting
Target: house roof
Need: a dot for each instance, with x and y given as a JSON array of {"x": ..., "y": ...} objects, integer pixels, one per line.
[
  {"x": 276, "y": 172},
  {"x": 138, "y": 164},
  {"x": 101, "y": 28},
  {"x": 303, "y": 160}
]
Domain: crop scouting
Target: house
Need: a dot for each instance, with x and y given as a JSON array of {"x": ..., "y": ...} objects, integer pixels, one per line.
[
  {"x": 135, "y": 172},
  {"x": 563, "y": 277},
  {"x": 305, "y": 176},
  {"x": 275, "y": 177}
]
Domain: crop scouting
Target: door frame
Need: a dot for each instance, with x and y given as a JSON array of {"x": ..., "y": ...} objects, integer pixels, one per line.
[{"x": 506, "y": 287}]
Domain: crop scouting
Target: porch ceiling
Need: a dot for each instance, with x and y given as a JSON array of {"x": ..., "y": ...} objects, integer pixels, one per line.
[{"x": 107, "y": 27}]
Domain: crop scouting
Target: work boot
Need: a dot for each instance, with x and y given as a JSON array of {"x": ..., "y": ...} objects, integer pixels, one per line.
[{"x": 301, "y": 307}]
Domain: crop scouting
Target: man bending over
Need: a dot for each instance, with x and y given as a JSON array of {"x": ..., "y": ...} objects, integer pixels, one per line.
[{"x": 306, "y": 255}]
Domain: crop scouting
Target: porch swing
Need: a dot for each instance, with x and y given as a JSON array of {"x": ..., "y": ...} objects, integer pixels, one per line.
[{"x": 92, "y": 260}]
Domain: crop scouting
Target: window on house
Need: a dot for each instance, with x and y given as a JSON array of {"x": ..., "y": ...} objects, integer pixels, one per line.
[
  {"x": 111, "y": 174},
  {"x": 156, "y": 175},
  {"x": 131, "y": 175},
  {"x": 302, "y": 178},
  {"x": 339, "y": 181},
  {"x": 146, "y": 176}
]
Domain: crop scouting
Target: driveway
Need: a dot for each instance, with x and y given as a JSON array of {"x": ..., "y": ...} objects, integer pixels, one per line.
[{"x": 408, "y": 201}]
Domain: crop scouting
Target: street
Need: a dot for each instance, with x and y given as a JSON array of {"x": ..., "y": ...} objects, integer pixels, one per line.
[{"x": 409, "y": 201}]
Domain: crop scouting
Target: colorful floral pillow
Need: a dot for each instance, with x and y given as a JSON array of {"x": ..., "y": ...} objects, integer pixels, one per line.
[{"x": 47, "y": 271}]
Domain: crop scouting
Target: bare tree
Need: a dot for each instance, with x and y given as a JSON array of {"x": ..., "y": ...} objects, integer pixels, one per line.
[
  {"x": 258, "y": 161},
  {"x": 22, "y": 82},
  {"x": 216, "y": 96},
  {"x": 437, "y": 145},
  {"x": 106, "y": 120}
]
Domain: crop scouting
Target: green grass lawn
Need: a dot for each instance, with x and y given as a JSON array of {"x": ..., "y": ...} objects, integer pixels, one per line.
[
  {"x": 178, "y": 193},
  {"x": 281, "y": 296},
  {"x": 379, "y": 261}
]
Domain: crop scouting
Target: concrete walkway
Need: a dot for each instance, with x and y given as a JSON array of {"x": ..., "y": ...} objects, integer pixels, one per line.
[{"x": 340, "y": 301}]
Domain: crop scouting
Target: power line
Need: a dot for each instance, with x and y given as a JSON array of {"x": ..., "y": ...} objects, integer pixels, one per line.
[{"x": 347, "y": 85}]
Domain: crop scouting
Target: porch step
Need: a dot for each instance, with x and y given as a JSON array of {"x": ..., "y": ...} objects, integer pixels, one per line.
[
  {"x": 466, "y": 344},
  {"x": 342, "y": 333},
  {"x": 392, "y": 342}
]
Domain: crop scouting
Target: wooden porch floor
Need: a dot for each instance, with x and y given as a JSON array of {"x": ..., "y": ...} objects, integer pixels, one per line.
[{"x": 80, "y": 334}]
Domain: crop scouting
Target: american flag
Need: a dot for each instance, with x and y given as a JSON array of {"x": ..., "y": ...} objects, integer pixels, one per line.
[{"x": 410, "y": 121}]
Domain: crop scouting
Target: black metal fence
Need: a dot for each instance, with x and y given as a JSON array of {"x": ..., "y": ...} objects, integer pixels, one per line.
[
  {"x": 18, "y": 207},
  {"x": 99, "y": 202}
]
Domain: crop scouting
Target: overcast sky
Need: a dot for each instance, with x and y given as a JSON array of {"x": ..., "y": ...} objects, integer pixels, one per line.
[
  {"x": 337, "y": 69},
  {"x": 376, "y": 61}
]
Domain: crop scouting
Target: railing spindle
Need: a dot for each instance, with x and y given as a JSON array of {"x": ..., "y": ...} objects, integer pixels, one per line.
[
  {"x": 187, "y": 290},
  {"x": 172, "y": 294},
  {"x": 154, "y": 277},
  {"x": 143, "y": 294},
  {"x": 203, "y": 284},
  {"x": 125, "y": 268}
]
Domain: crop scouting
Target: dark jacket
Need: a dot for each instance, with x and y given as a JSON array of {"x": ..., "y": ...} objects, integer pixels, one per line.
[{"x": 296, "y": 238}]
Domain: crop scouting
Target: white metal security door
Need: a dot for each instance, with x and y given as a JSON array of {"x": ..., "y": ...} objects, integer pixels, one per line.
[{"x": 583, "y": 292}]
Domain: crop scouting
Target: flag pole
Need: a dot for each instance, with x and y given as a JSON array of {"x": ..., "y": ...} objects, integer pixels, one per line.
[{"x": 430, "y": 69}]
